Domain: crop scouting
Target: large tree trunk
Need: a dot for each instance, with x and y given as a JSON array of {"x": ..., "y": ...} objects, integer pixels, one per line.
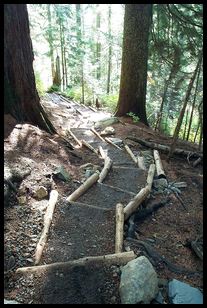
[
  {"x": 132, "y": 95},
  {"x": 21, "y": 99},
  {"x": 57, "y": 78}
]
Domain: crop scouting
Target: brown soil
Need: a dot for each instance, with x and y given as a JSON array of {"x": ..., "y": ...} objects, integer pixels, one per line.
[{"x": 87, "y": 227}]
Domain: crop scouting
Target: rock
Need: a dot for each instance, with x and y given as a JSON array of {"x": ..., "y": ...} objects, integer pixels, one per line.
[
  {"x": 10, "y": 302},
  {"x": 182, "y": 293},
  {"x": 89, "y": 172},
  {"x": 11, "y": 263},
  {"x": 113, "y": 299},
  {"x": 106, "y": 122},
  {"x": 159, "y": 298},
  {"x": 109, "y": 130},
  {"x": 40, "y": 193},
  {"x": 22, "y": 200},
  {"x": 139, "y": 282},
  {"x": 62, "y": 174}
]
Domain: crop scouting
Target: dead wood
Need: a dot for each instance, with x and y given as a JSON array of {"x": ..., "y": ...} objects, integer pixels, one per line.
[
  {"x": 84, "y": 187},
  {"x": 47, "y": 223},
  {"x": 102, "y": 152},
  {"x": 97, "y": 134},
  {"x": 74, "y": 137},
  {"x": 164, "y": 148},
  {"x": 150, "y": 176},
  {"x": 119, "y": 228},
  {"x": 135, "y": 202},
  {"x": 117, "y": 259},
  {"x": 197, "y": 161},
  {"x": 115, "y": 145},
  {"x": 159, "y": 166},
  {"x": 90, "y": 147},
  {"x": 140, "y": 161},
  {"x": 93, "y": 109},
  {"x": 131, "y": 154},
  {"x": 107, "y": 165}
]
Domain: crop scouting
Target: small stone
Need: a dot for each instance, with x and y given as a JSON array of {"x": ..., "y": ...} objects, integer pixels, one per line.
[
  {"x": 62, "y": 174},
  {"x": 113, "y": 299},
  {"x": 10, "y": 302},
  {"x": 109, "y": 130},
  {"x": 22, "y": 200},
  {"x": 30, "y": 260},
  {"x": 41, "y": 193}
]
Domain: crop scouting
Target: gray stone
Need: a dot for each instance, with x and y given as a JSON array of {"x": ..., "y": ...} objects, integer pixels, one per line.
[
  {"x": 139, "y": 282},
  {"x": 109, "y": 130},
  {"x": 62, "y": 174},
  {"x": 182, "y": 293},
  {"x": 117, "y": 141},
  {"x": 40, "y": 193}
]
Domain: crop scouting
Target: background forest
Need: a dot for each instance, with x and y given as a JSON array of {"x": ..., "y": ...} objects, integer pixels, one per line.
[{"x": 78, "y": 51}]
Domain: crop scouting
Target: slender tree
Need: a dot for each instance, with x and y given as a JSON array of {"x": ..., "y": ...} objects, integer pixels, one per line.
[
  {"x": 110, "y": 50},
  {"x": 132, "y": 94},
  {"x": 50, "y": 40},
  {"x": 21, "y": 99}
]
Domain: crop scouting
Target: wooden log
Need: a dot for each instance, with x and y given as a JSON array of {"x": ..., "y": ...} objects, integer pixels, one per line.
[
  {"x": 115, "y": 145},
  {"x": 135, "y": 202},
  {"x": 140, "y": 161},
  {"x": 47, "y": 222},
  {"x": 119, "y": 238},
  {"x": 159, "y": 166},
  {"x": 102, "y": 152},
  {"x": 97, "y": 134},
  {"x": 107, "y": 165},
  {"x": 90, "y": 147},
  {"x": 129, "y": 151},
  {"x": 150, "y": 176},
  {"x": 74, "y": 137},
  {"x": 164, "y": 148},
  {"x": 93, "y": 109},
  {"x": 84, "y": 187},
  {"x": 117, "y": 259}
]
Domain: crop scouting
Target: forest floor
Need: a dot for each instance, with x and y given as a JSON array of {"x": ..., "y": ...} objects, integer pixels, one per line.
[{"x": 87, "y": 227}]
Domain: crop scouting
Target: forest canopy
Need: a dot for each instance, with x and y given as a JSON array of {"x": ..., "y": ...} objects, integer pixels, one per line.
[{"x": 78, "y": 51}]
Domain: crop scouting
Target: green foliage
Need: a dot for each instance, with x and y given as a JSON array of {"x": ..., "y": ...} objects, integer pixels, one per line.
[
  {"x": 109, "y": 101},
  {"x": 53, "y": 88},
  {"x": 39, "y": 84},
  {"x": 134, "y": 117}
]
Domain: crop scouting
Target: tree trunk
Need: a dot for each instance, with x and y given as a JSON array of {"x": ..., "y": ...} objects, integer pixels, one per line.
[
  {"x": 65, "y": 64},
  {"x": 194, "y": 141},
  {"x": 50, "y": 41},
  {"x": 21, "y": 99},
  {"x": 201, "y": 123},
  {"x": 132, "y": 94},
  {"x": 57, "y": 78},
  {"x": 186, "y": 122},
  {"x": 62, "y": 52},
  {"x": 110, "y": 50},
  {"x": 98, "y": 45},
  {"x": 180, "y": 119},
  {"x": 193, "y": 105}
]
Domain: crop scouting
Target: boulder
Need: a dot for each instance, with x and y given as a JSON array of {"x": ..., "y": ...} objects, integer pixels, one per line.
[
  {"x": 139, "y": 282},
  {"x": 182, "y": 293},
  {"x": 109, "y": 130}
]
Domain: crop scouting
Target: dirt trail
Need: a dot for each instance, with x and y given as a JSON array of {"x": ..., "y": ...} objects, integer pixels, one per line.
[{"x": 86, "y": 227}]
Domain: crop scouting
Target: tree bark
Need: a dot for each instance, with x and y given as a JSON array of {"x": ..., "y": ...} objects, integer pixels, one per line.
[
  {"x": 119, "y": 238},
  {"x": 132, "y": 94},
  {"x": 21, "y": 99},
  {"x": 57, "y": 78}
]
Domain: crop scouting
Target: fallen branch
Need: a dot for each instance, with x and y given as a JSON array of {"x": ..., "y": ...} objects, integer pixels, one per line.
[
  {"x": 84, "y": 187},
  {"x": 164, "y": 148},
  {"x": 97, "y": 134},
  {"x": 150, "y": 176},
  {"x": 119, "y": 228},
  {"x": 102, "y": 152},
  {"x": 197, "y": 162},
  {"x": 74, "y": 137},
  {"x": 115, "y": 145},
  {"x": 135, "y": 202},
  {"x": 118, "y": 259},
  {"x": 107, "y": 165},
  {"x": 158, "y": 163},
  {"x": 140, "y": 161},
  {"x": 47, "y": 223},
  {"x": 129, "y": 151},
  {"x": 90, "y": 147}
]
